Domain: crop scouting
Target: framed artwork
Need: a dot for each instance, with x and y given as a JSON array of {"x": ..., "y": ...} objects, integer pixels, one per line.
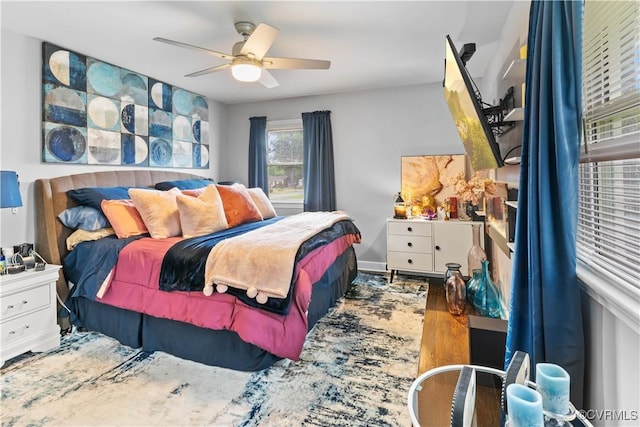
[
  {"x": 430, "y": 176},
  {"x": 100, "y": 114}
]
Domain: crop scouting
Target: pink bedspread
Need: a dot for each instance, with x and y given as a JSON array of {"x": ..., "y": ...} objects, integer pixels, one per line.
[{"x": 134, "y": 286}]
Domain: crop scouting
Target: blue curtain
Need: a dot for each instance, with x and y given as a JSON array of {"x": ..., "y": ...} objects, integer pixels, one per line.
[
  {"x": 258, "y": 154},
  {"x": 319, "y": 179},
  {"x": 545, "y": 312}
]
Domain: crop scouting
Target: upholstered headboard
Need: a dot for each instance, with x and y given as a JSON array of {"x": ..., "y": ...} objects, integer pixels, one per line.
[{"x": 51, "y": 200}]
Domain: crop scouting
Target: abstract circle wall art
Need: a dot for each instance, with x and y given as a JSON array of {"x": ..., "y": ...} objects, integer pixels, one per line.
[{"x": 94, "y": 112}]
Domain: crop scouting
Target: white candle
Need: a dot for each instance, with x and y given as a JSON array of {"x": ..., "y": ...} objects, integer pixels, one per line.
[
  {"x": 525, "y": 406},
  {"x": 553, "y": 385}
]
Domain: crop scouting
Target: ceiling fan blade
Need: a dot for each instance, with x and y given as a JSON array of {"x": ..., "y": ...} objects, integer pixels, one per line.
[
  {"x": 197, "y": 48},
  {"x": 209, "y": 70},
  {"x": 259, "y": 41},
  {"x": 295, "y": 63},
  {"x": 267, "y": 79}
]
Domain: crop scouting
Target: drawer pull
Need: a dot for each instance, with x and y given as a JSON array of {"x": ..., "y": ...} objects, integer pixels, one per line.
[
  {"x": 409, "y": 229},
  {"x": 410, "y": 261},
  {"x": 10, "y": 306},
  {"x": 437, "y": 248},
  {"x": 410, "y": 244},
  {"x": 12, "y": 332}
]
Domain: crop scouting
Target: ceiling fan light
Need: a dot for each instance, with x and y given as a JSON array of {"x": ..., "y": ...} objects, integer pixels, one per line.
[{"x": 246, "y": 72}]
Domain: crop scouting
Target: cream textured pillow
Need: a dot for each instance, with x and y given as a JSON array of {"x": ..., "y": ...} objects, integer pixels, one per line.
[
  {"x": 81, "y": 235},
  {"x": 262, "y": 202},
  {"x": 159, "y": 211},
  {"x": 203, "y": 214}
]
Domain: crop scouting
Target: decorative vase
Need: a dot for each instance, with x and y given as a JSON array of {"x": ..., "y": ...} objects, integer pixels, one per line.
[
  {"x": 476, "y": 255},
  {"x": 451, "y": 267},
  {"x": 463, "y": 210},
  {"x": 472, "y": 285},
  {"x": 456, "y": 293},
  {"x": 487, "y": 299}
]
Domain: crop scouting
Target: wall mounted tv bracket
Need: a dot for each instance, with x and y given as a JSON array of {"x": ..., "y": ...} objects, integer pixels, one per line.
[{"x": 495, "y": 113}]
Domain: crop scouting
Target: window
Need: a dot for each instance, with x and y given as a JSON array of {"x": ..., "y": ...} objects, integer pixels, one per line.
[
  {"x": 608, "y": 245},
  {"x": 285, "y": 160}
]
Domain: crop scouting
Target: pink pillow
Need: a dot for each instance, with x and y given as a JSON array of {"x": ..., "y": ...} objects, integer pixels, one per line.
[
  {"x": 159, "y": 211},
  {"x": 124, "y": 218},
  {"x": 203, "y": 214},
  {"x": 262, "y": 202},
  {"x": 238, "y": 204}
]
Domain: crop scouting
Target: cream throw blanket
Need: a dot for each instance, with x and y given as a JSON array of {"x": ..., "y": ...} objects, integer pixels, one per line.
[{"x": 262, "y": 261}]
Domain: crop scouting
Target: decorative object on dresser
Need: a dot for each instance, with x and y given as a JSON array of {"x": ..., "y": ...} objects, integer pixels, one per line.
[
  {"x": 399, "y": 207},
  {"x": 470, "y": 194},
  {"x": 420, "y": 246},
  {"x": 98, "y": 113},
  {"x": 425, "y": 181},
  {"x": 28, "y": 302}
]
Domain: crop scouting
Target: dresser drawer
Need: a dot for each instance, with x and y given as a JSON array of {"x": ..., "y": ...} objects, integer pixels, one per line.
[
  {"x": 402, "y": 243},
  {"x": 23, "y": 302},
  {"x": 25, "y": 326},
  {"x": 409, "y": 228},
  {"x": 409, "y": 261}
]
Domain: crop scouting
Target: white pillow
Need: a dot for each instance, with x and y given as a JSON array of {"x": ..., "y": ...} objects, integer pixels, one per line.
[
  {"x": 203, "y": 214},
  {"x": 159, "y": 211},
  {"x": 262, "y": 202}
]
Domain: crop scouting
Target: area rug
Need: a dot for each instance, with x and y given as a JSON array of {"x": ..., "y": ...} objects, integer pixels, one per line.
[{"x": 355, "y": 370}]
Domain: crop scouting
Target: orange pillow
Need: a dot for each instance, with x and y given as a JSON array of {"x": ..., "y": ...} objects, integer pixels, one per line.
[
  {"x": 159, "y": 211},
  {"x": 124, "y": 218},
  {"x": 262, "y": 202},
  {"x": 203, "y": 214},
  {"x": 238, "y": 204}
]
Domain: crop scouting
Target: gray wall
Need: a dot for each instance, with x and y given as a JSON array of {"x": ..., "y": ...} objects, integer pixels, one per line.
[{"x": 371, "y": 131}]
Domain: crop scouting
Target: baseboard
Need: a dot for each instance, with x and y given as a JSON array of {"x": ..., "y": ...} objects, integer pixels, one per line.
[{"x": 378, "y": 267}]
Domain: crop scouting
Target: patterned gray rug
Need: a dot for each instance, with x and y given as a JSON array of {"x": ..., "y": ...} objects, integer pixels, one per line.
[{"x": 357, "y": 366}]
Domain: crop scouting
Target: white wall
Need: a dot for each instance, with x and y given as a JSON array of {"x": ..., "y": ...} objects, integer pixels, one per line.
[
  {"x": 371, "y": 131},
  {"x": 21, "y": 143}
]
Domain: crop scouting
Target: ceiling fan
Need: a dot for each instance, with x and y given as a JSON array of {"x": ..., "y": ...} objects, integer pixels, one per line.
[{"x": 248, "y": 60}]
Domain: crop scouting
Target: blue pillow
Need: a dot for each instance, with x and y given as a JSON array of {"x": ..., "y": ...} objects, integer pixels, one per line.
[
  {"x": 93, "y": 196},
  {"x": 83, "y": 217},
  {"x": 184, "y": 184}
]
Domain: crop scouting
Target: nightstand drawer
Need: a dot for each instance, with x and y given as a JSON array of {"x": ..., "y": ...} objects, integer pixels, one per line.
[
  {"x": 402, "y": 243},
  {"x": 409, "y": 228},
  {"x": 409, "y": 261},
  {"x": 26, "y": 326},
  {"x": 23, "y": 302}
]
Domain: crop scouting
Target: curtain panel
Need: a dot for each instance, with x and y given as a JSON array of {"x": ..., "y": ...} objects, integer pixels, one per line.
[
  {"x": 258, "y": 153},
  {"x": 319, "y": 179},
  {"x": 545, "y": 310}
]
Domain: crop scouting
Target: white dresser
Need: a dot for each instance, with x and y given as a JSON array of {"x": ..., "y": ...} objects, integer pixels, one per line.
[
  {"x": 420, "y": 246},
  {"x": 28, "y": 312}
]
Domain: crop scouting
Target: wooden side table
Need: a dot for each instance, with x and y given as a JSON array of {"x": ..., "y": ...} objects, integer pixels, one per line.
[{"x": 28, "y": 312}]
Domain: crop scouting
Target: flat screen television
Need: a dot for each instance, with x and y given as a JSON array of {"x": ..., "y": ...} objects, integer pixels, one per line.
[{"x": 474, "y": 129}]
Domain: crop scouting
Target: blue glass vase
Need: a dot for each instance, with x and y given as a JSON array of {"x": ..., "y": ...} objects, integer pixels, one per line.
[
  {"x": 472, "y": 284},
  {"x": 487, "y": 299}
]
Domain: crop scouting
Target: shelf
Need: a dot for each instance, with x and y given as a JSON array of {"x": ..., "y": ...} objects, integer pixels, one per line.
[
  {"x": 512, "y": 203},
  {"x": 516, "y": 71},
  {"x": 511, "y": 246},
  {"x": 515, "y": 115}
]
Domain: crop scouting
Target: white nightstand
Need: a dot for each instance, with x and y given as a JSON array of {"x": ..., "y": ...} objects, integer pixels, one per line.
[{"x": 28, "y": 312}]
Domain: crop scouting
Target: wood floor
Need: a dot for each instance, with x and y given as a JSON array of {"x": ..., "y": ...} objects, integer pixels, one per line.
[{"x": 445, "y": 341}]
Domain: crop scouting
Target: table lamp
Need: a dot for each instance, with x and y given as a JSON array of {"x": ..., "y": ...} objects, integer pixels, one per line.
[{"x": 9, "y": 190}]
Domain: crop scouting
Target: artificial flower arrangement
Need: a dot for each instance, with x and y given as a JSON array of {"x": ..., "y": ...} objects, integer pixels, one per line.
[{"x": 473, "y": 189}]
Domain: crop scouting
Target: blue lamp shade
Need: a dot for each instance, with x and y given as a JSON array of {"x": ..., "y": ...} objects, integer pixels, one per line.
[{"x": 9, "y": 190}]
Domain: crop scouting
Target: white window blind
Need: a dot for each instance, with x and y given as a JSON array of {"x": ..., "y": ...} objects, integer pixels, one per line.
[{"x": 608, "y": 245}]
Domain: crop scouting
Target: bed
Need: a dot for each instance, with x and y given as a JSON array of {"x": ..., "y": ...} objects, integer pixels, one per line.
[{"x": 323, "y": 272}]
